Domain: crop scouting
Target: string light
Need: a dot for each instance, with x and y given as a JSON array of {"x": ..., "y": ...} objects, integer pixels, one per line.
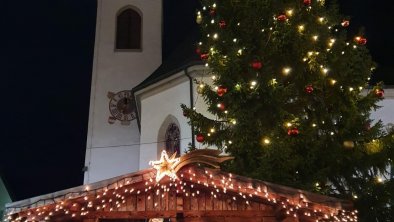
[
  {"x": 188, "y": 181},
  {"x": 289, "y": 12},
  {"x": 333, "y": 81},
  {"x": 286, "y": 70},
  {"x": 301, "y": 28},
  {"x": 324, "y": 70}
]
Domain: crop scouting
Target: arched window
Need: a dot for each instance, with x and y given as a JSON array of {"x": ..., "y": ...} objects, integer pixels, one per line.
[
  {"x": 128, "y": 29},
  {"x": 172, "y": 139}
]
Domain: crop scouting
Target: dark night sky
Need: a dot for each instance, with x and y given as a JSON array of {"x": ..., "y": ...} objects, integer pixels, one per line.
[{"x": 46, "y": 59}]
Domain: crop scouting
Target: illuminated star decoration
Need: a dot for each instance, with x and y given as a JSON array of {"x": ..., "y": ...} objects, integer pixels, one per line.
[{"x": 165, "y": 166}]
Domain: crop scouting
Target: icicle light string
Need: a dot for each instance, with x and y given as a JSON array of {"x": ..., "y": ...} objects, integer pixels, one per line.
[{"x": 219, "y": 183}]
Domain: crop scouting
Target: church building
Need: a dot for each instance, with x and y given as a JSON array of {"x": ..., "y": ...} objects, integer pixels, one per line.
[{"x": 135, "y": 97}]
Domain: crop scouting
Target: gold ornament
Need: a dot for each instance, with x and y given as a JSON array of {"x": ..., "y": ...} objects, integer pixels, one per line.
[
  {"x": 199, "y": 19},
  {"x": 200, "y": 89},
  {"x": 348, "y": 144},
  {"x": 374, "y": 147}
]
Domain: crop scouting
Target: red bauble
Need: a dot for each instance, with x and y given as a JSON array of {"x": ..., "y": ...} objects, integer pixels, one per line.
[
  {"x": 212, "y": 12},
  {"x": 222, "y": 24},
  {"x": 221, "y": 90},
  {"x": 361, "y": 40},
  {"x": 293, "y": 132},
  {"x": 221, "y": 106},
  {"x": 367, "y": 126},
  {"x": 200, "y": 138},
  {"x": 185, "y": 113},
  {"x": 307, "y": 2},
  {"x": 309, "y": 89},
  {"x": 345, "y": 23},
  {"x": 204, "y": 56},
  {"x": 256, "y": 64},
  {"x": 379, "y": 93},
  {"x": 282, "y": 17}
]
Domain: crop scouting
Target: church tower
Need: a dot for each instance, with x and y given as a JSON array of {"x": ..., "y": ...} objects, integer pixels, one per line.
[{"x": 127, "y": 50}]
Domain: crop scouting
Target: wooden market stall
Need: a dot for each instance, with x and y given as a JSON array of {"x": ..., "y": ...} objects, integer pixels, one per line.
[{"x": 180, "y": 189}]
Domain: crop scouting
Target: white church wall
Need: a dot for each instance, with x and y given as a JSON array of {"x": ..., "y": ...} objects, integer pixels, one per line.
[
  {"x": 386, "y": 112},
  {"x": 158, "y": 102},
  {"x": 110, "y": 151}
]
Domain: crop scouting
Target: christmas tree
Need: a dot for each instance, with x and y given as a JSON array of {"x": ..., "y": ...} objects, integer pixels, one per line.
[{"x": 288, "y": 95}]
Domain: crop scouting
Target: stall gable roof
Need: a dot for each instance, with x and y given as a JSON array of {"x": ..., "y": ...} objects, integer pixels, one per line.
[{"x": 113, "y": 195}]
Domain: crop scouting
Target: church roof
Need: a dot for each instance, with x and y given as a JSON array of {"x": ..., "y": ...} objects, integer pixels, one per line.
[{"x": 183, "y": 56}]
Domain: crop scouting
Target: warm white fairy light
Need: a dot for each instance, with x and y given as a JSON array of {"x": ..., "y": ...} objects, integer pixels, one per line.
[
  {"x": 245, "y": 191},
  {"x": 301, "y": 28},
  {"x": 273, "y": 82},
  {"x": 286, "y": 70}
]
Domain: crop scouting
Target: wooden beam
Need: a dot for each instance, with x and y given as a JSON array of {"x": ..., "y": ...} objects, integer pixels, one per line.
[{"x": 173, "y": 213}]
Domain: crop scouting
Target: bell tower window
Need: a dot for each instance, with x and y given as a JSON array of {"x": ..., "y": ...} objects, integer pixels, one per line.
[{"x": 128, "y": 29}]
